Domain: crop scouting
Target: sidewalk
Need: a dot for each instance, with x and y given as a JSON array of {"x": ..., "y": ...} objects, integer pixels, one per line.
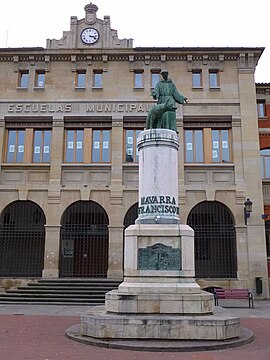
[{"x": 37, "y": 332}]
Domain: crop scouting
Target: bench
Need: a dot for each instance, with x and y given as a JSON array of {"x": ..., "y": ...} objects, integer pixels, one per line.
[{"x": 237, "y": 294}]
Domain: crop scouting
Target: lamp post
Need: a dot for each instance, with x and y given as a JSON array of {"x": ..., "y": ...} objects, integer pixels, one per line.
[{"x": 247, "y": 209}]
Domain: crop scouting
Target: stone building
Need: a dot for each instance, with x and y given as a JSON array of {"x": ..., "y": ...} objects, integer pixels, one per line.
[{"x": 70, "y": 115}]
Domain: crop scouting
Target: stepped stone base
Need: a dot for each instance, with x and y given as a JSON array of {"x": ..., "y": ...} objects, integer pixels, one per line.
[
  {"x": 200, "y": 303},
  {"x": 97, "y": 323}
]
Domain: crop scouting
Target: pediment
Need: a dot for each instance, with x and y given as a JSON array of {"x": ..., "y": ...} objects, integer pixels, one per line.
[{"x": 90, "y": 33}]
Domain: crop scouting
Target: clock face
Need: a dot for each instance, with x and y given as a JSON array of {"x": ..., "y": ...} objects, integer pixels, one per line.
[{"x": 90, "y": 36}]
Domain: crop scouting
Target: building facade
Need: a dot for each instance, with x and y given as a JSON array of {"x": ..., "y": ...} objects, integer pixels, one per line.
[{"x": 70, "y": 115}]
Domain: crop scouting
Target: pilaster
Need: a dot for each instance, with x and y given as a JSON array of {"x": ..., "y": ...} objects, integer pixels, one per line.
[{"x": 51, "y": 254}]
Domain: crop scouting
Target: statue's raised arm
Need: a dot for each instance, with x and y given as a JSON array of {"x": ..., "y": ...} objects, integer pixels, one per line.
[{"x": 163, "y": 115}]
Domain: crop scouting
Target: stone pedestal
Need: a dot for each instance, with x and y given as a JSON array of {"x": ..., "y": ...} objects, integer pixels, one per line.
[{"x": 159, "y": 273}]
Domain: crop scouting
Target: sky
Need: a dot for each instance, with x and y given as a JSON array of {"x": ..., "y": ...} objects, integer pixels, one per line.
[{"x": 153, "y": 23}]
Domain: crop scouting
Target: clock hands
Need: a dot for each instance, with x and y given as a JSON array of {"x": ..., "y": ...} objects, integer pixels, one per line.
[{"x": 89, "y": 36}]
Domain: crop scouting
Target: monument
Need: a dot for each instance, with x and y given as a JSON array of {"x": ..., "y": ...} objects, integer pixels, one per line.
[{"x": 159, "y": 298}]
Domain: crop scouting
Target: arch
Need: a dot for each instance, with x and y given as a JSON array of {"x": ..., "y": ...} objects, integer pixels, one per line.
[
  {"x": 84, "y": 241},
  {"x": 131, "y": 215},
  {"x": 22, "y": 240},
  {"x": 214, "y": 240}
]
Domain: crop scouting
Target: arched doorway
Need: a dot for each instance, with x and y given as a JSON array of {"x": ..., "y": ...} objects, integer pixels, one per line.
[
  {"x": 84, "y": 240},
  {"x": 22, "y": 240},
  {"x": 131, "y": 216},
  {"x": 214, "y": 241}
]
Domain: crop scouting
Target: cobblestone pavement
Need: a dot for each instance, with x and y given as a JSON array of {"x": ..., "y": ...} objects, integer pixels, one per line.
[{"x": 36, "y": 332}]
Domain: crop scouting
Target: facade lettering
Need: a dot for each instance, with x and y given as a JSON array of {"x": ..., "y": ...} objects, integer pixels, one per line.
[
  {"x": 43, "y": 108},
  {"x": 88, "y": 107},
  {"x": 117, "y": 107}
]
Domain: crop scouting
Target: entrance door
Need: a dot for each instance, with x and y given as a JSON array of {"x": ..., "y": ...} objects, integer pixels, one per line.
[
  {"x": 214, "y": 241},
  {"x": 22, "y": 240},
  {"x": 84, "y": 241}
]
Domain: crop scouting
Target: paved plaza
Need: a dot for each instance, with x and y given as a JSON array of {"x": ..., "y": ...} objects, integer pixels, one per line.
[{"x": 37, "y": 332}]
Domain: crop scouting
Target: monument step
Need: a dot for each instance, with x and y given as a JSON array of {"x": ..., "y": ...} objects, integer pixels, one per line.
[
  {"x": 88, "y": 291},
  {"x": 15, "y": 301},
  {"x": 60, "y": 289}
]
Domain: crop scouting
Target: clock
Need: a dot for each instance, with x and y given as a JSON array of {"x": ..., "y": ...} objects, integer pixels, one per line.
[{"x": 89, "y": 36}]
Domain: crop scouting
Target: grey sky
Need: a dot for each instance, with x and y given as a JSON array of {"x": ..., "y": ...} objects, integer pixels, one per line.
[{"x": 170, "y": 23}]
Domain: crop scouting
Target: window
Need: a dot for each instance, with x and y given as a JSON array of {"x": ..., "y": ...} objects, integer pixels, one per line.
[
  {"x": 194, "y": 146},
  {"x": 213, "y": 79},
  {"x": 23, "y": 79},
  {"x": 131, "y": 152},
  {"x": 40, "y": 79},
  {"x": 97, "y": 81},
  {"x": 101, "y": 146},
  {"x": 196, "y": 79},
  {"x": 154, "y": 78},
  {"x": 42, "y": 144},
  {"x": 220, "y": 146},
  {"x": 74, "y": 146},
  {"x": 261, "y": 108},
  {"x": 87, "y": 145},
  {"x": 265, "y": 163},
  {"x": 138, "y": 79},
  {"x": 15, "y": 146},
  {"x": 207, "y": 146},
  {"x": 80, "y": 79}
]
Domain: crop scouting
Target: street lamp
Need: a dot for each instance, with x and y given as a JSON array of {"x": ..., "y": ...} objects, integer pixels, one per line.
[{"x": 247, "y": 209}]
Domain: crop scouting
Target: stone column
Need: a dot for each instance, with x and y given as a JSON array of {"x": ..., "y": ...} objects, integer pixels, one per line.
[
  {"x": 115, "y": 261},
  {"x": 115, "y": 258},
  {"x": 117, "y": 162},
  {"x": 252, "y": 172},
  {"x": 2, "y": 132},
  {"x": 56, "y": 160},
  {"x": 158, "y": 177},
  {"x": 51, "y": 258}
]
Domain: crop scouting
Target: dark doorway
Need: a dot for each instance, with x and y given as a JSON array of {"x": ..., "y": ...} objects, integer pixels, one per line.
[
  {"x": 214, "y": 242},
  {"x": 131, "y": 216},
  {"x": 84, "y": 239},
  {"x": 22, "y": 240}
]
